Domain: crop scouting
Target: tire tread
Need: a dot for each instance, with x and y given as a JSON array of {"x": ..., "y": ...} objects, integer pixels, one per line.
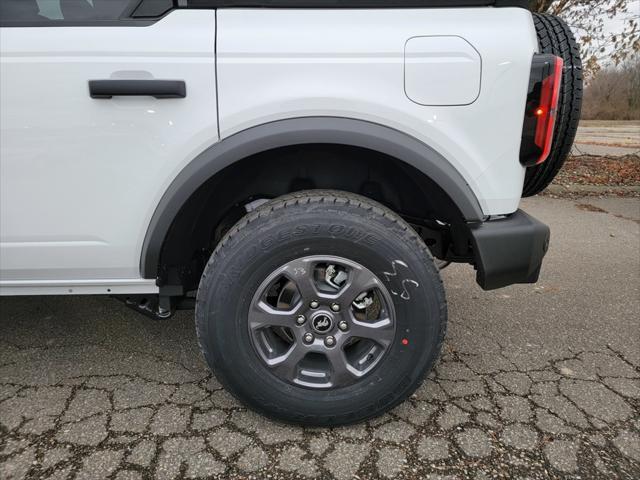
[
  {"x": 310, "y": 198},
  {"x": 555, "y": 37}
]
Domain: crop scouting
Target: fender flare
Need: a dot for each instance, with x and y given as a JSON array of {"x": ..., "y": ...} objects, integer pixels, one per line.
[{"x": 297, "y": 131}]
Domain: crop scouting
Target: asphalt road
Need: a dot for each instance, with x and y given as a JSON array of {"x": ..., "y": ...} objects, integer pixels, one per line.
[
  {"x": 607, "y": 138},
  {"x": 536, "y": 381}
]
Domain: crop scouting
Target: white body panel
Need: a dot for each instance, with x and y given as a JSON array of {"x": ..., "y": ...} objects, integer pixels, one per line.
[
  {"x": 441, "y": 71},
  {"x": 81, "y": 178},
  {"x": 275, "y": 64}
]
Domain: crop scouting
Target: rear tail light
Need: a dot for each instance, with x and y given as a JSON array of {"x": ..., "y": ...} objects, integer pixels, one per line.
[{"x": 541, "y": 110}]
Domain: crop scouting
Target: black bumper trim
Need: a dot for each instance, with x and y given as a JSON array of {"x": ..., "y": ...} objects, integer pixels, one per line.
[{"x": 509, "y": 250}]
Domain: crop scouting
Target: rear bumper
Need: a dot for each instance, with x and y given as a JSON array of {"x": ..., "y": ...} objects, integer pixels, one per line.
[{"x": 509, "y": 250}]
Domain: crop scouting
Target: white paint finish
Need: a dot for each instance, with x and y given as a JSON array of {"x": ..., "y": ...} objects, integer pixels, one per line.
[
  {"x": 441, "y": 71},
  {"x": 279, "y": 63},
  {"x": 80, "y": 178},
  {"x": 78, "y": 287}
]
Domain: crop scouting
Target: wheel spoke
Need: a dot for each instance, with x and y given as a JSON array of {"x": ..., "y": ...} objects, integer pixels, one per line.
[
  {"x": 301, "y": 271},
  {"x": 341, "y": 373},
  {"x": 359, "y": 281},
  {"x": 263, "y": 315},
  {"x": 286, "y": 364},
  {"x": 380, "y": 331}
]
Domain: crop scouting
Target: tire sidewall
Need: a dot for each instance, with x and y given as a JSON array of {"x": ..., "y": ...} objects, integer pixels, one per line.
[{"x": 272, "y": 240}]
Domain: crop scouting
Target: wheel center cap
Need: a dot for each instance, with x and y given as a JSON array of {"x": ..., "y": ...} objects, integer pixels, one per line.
[{"x": 322, "y": 323}]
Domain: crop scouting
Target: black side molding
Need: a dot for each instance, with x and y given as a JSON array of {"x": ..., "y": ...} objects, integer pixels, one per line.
[
  {"x": 301, "y": 131},
  {"x": 509, "y": 250},
  {"x": 105, "y": 89}
]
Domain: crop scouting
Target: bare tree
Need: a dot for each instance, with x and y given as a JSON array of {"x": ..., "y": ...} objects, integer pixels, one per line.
[
  {"x": 614, "y": 94},
  {"x": 587, "y": 19}
]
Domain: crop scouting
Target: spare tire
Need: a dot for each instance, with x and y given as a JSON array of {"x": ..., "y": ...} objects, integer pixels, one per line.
[{"x": 555, "y": 37}]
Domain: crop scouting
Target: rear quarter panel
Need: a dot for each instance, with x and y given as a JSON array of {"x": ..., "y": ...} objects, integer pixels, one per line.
[{"x": 284, "y": 63}]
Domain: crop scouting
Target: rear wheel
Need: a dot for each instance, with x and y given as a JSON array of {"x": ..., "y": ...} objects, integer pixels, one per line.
[
  {"x": 555, "y": 37},
  {"x": 321, "y": 308}
]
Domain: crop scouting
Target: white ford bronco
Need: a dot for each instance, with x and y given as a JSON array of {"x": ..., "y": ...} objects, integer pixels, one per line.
[{"x": 297, "y": 171}]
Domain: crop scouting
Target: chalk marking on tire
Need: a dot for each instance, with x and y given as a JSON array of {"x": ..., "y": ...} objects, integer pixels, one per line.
[{"x": 405, "y": 295}]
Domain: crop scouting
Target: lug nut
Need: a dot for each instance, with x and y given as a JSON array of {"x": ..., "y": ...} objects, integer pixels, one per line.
[
  {"x": 301, "y": 319},
  {"x": 308, "y": 338},
  {"x": 343, "y": 326},
  {"x": 314, "y": 304},
  {"x": 335, "y": 307},
  {"x": 329, "y": 341}
]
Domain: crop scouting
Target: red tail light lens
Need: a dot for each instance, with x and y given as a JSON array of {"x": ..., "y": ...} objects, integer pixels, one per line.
[
  {"x": 541, "y": 109},
  {"x": 548, "y": 109}
]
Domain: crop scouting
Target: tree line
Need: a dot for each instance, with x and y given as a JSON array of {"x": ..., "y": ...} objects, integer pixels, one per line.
[{"x": 614, "y": 93}]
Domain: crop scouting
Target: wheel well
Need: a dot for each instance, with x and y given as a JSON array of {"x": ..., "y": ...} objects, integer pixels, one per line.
[{"x": 222, "y": 200}]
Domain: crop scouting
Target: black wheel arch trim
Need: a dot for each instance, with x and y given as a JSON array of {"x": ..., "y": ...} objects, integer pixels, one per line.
[{"x": 298, "y": 131}]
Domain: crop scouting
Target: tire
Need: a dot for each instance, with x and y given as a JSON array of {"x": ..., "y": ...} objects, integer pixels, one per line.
[
  {"x": 295, "y": 234},
  {"x": 555, "y": 37}
]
